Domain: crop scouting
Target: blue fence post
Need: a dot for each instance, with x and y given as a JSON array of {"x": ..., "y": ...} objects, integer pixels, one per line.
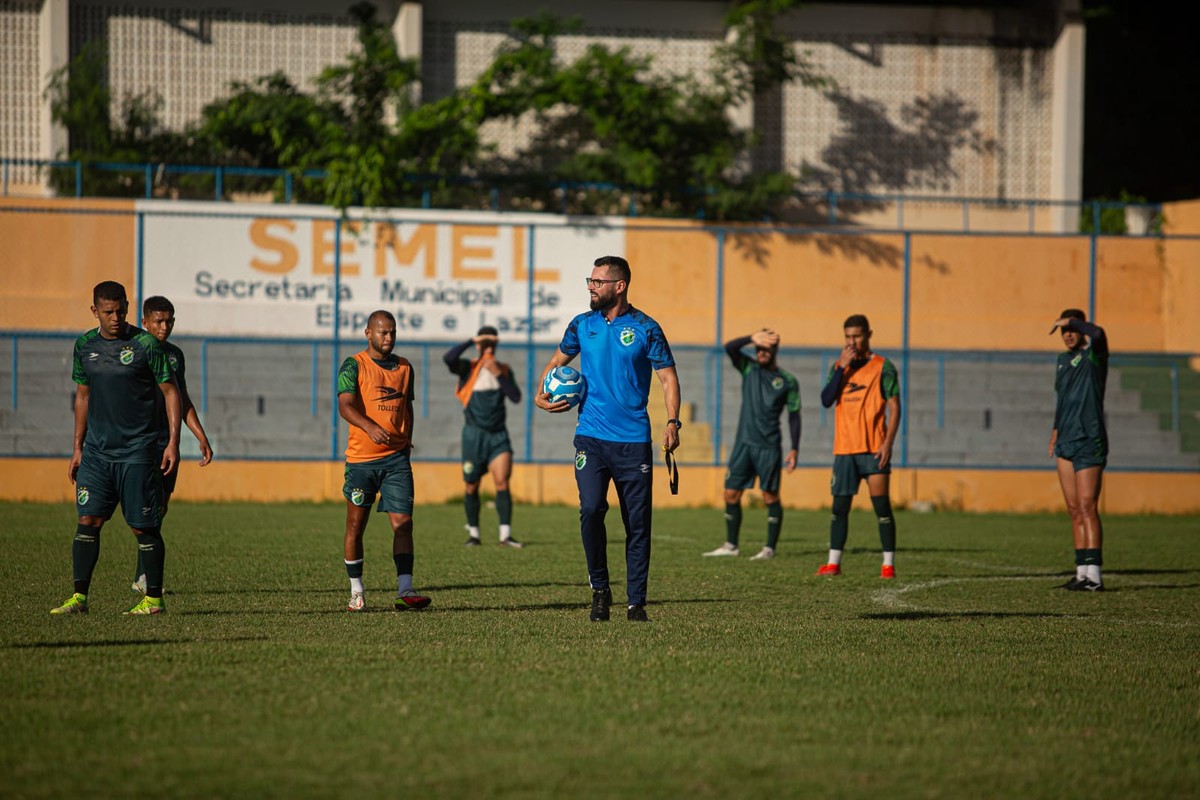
[
  {"x": 425, "y": 372},
  {"x": 941, "y": 391},
  {"x": 15, "y": 345},
  {"x": 900, "y": 212},
  {"x": 219, "y": 184},
  {"x": 313, "y": 389},
  {"x": 719, "y": 329},
  {"x": 1092, "y": 276},
  {"x": 832, "y": 208},
  {"x": 905, "y": 326},
  {"x": 287, "y": 187},
  {"x": 821, "y": 383},
  {"x": 78, "y": 179},
  {"x": 337, "y": 314},
  {"x": 1095, "y": 217},
  {"x": 530, "y": 348},
  {"x": 140, "y": 255},
  {"x": 204, "y": 376},
  {"x": 149, "y": 173},
  {"x": 1175, "y": 397}
]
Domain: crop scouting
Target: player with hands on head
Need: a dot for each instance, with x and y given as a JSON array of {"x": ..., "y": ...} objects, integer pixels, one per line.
[
  {"x": 1079, "y": 440},
  {"x": 483, "y": 385},
  {"x": 766, "y": 391},
  {"x": 865, "y": 389},
  {"x": 375, "y": 396},
  {"x": 619, "y": 347}
]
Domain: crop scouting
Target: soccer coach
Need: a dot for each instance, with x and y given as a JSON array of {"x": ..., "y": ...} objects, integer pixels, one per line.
[{"x": 618, "y": 346}]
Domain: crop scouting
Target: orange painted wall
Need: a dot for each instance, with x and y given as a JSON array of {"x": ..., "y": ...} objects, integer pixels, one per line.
[
  {"x": 674, "y": 280},
  {"x": 1016, "y": 285},
  {"x": 1129, "y": 292},
  {"x": 52, "y": 260},
  {"x": 45, "y": 480},
  {"x": 1182, "y": 218},
  {"x": 1181, "y": 295},
  {"x": 804, "y": 286}
]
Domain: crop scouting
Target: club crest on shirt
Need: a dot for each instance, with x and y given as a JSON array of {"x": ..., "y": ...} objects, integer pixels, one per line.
[
  {"x": 777, "y": 383},
  {"x": 580, "y": 459},
  {"x": 81, "y": 495},
  {"x": 357, "y": 496},
  {"x": 628, "y": 337},
  {"x": 174, "y": 361},
  {"x": 468, "y": 467},
  {"x": 126, "y": 356},
  {"x": 1075, "y": 361}
]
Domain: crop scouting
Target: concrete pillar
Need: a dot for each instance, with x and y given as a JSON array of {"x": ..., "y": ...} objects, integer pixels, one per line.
[
  {"x": 54, "y": 52},
  {"x": 407, "y": 29},
  {"x": 1066, "y": 131}
]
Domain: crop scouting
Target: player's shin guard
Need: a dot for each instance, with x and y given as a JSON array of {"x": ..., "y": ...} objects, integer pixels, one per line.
[
  {"x": 887, "y": 522},
  {"x": 153, "y": 551},
  {"x": 774, "y": 523},
  {"x": 85, "y": 552},
  {"x": 471, "y": 505},
  {"x": 839, "y": 524},
  {"x": 503, "y": 507},
  {"x": 733, "y": 522}
]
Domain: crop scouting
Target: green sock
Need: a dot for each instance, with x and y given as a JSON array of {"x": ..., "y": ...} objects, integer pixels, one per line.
[
  {"x": 774, "y": 523},
  {"x": 471, "y": 504},
  {"x": 887, "y": 523},
  {"x": 503, "y": 507},
  {"x": 85, "y": 552},
  {"x": 153, "y": 552},
  {"x": 839, "y": 523},
  {"x": 733, "y": 522}
]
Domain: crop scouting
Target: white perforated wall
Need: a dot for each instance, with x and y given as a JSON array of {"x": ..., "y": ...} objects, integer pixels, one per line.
[
  {"x": 189, "y": 57},
  {"x": 20, "y": 86}
]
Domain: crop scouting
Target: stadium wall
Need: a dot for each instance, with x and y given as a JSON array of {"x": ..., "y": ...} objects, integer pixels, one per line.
[
  {"x": 1020, "y": 491},
  {"x": 704, "y": 283}
]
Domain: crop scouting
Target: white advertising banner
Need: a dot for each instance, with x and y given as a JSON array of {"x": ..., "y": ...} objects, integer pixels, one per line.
[{"x": 266, "y": 271}]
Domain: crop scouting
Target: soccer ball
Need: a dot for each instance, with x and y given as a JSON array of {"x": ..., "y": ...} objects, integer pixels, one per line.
[{"x": 565, "y": 383}]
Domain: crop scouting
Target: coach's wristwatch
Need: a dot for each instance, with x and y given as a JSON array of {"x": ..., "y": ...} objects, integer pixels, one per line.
[{"x": 678, "y": 425}]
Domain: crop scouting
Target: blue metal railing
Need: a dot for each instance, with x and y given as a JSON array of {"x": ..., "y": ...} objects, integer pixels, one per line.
[{"x": 834, "y": 201}]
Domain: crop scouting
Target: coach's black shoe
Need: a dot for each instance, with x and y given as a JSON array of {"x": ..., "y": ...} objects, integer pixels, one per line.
[
  {"x": 472, "y": 541},
  {"x": 1089, "y": 585},
  {"x": 1071, "y": 585},
  {"x": 601, "y": 600},
  {"x": 637, "y": 614}
]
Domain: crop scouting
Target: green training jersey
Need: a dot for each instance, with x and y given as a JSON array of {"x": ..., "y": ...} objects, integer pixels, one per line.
[
  {"x": 485, "y": 407},
  {"x": 175, "y": 360},
  {"x": 122, "y": 375},
  {"x": 765, "y": 393},
  {"x": 1080, "y": 380}
]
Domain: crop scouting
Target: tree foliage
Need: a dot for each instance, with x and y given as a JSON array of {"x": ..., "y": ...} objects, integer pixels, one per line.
[{"x": 606, "y": 121}]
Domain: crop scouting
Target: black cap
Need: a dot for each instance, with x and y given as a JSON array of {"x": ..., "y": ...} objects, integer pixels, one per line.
[{"x": 488, "y": 330}]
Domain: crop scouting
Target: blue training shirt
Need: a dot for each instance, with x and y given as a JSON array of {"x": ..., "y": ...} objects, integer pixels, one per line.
[{"x": 616, "y": 359}]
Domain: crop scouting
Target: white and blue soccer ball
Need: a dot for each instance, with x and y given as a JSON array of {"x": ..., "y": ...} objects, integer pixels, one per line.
[{"x": 565, "y": 383}]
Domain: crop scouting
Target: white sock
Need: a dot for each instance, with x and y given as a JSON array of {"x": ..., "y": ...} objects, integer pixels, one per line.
[
  {"x": 403, "y": 584},
  {"x": 1080, "y": 571},
  {"x": 356, "y": 586},
  {"x": 835, "y": 556},
  {"x": 1093, "y": 573},
  {"x": 505, "y": 532},
  {"x": 473, "y": 531},
  {"x": 889, "y": 558}
]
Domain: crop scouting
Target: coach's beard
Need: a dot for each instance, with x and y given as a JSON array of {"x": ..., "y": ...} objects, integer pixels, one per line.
[{"x": 602, "y": 305}]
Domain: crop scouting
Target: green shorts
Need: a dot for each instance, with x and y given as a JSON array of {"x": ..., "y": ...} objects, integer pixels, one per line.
[
  {"x": 390, "y": 478},
  {"x": 747, "y": 462},
  {"x": 101, "y": 484},
  {"x": 1083, "y": 453},
  {"x": 850, "y": 469},
  {"x": 479, "y": 448}
]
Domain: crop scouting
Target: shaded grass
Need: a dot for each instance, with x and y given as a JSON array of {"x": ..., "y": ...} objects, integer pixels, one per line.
[{"x": 969, "y": 675}]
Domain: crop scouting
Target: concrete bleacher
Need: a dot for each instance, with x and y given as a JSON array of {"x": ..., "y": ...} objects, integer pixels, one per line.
[{"x": 275, "y": 400}]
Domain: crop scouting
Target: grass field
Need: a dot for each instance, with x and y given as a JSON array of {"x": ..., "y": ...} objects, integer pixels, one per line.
[{"x": 969, "y": 676}]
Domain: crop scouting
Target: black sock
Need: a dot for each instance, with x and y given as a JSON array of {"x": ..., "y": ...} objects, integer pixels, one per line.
[
  {"x": 503, "y": 507},
  {"x": 774, "y": 523},
  {"x": 839, "y": 524},
  {"x": 733, "y": 522},
  {"x": 471, "y": 504},
  {"x": 85, "y": 552},
  {"x": 887, "y": 523},
  {"x": 153, "y": 552}
]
